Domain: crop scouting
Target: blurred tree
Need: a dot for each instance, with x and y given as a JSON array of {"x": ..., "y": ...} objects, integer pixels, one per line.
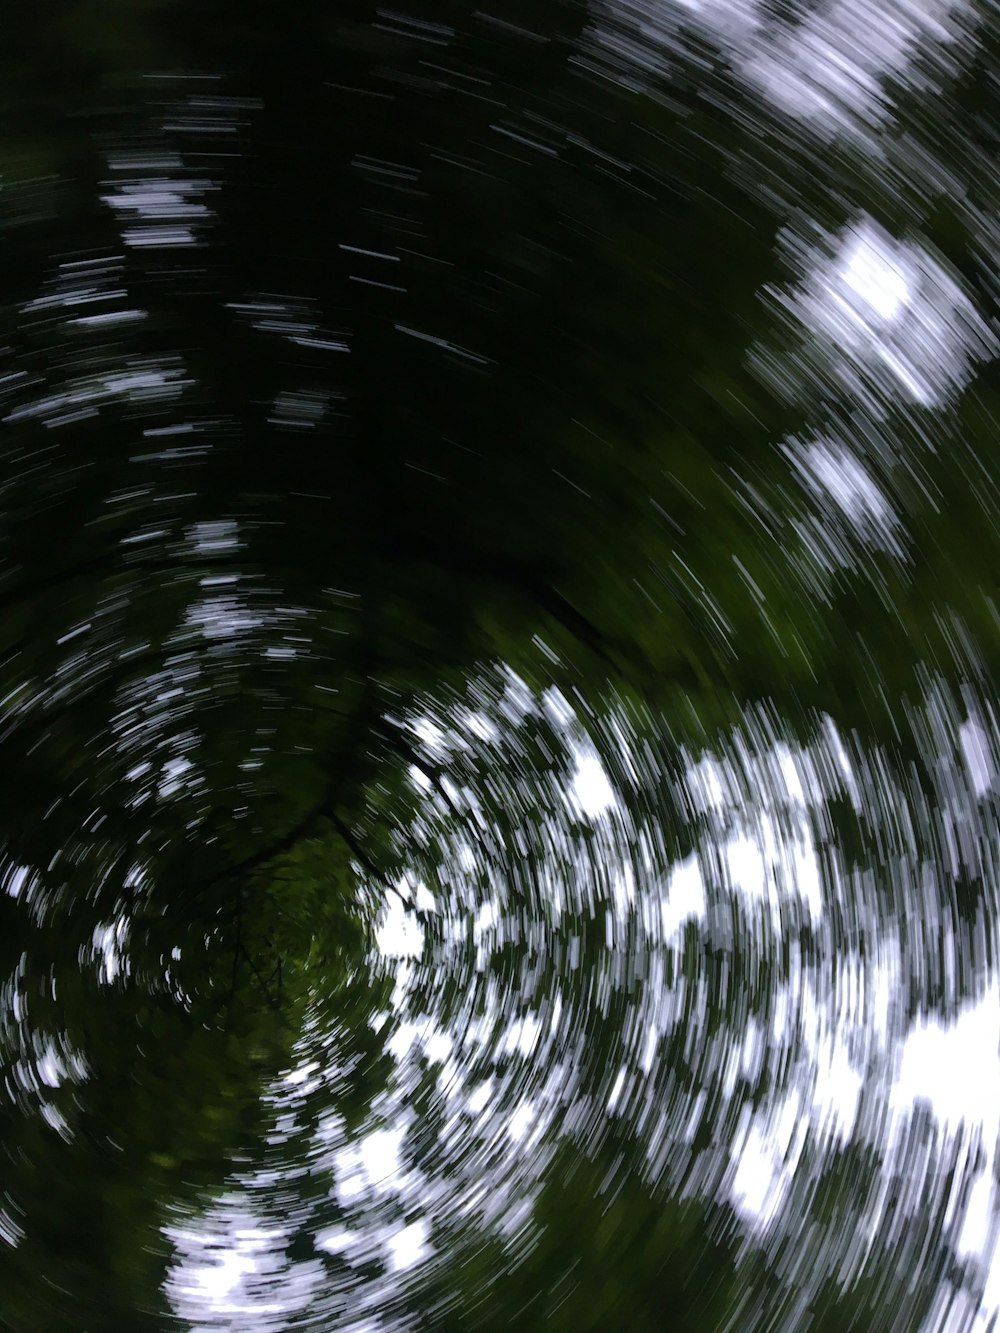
[{"x": 345, "y": 353}]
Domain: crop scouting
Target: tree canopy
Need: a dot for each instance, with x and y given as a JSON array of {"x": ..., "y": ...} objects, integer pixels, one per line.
[{"x": 362, "y": 368}]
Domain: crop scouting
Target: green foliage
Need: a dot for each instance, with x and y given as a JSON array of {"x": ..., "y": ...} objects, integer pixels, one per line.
[
  {"x": 604, "y": 1250},
  {"x": 540, "y": 440}
]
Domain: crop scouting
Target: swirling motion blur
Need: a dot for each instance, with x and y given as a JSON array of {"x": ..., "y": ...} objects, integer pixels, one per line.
[{"x": 499, "y": 639}]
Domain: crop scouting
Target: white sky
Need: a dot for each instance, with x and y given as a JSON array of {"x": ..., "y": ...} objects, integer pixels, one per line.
[
  {"x": 953, "y": 1067},
  {"x": 827, "y": 72}
]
